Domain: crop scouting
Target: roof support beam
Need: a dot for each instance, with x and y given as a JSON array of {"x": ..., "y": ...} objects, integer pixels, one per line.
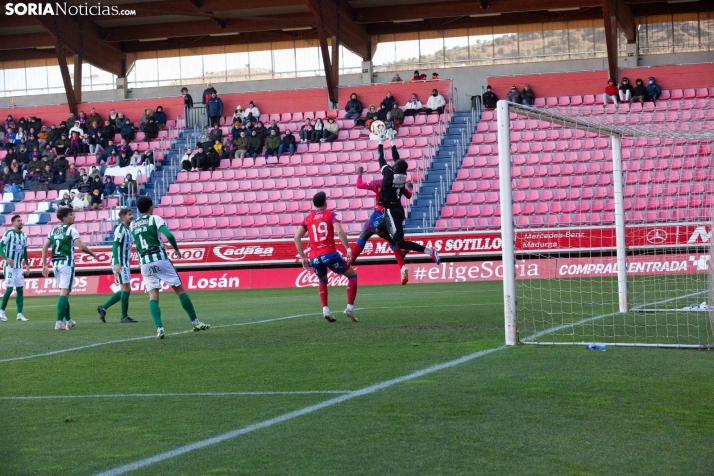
[
  {"x": 64, "y": 70},
  {"x": 337, "y": 14},
  {"x": 625, "y": 20},
  {"x": 610, "y": 16},
  {"x": 78, "y": 66},
  {"x": 332, "y": 66},
  {"x": 95, "y": 51}
]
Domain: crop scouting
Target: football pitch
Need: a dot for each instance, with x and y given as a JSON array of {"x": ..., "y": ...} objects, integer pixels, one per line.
[{"x": 421, "y": 385}]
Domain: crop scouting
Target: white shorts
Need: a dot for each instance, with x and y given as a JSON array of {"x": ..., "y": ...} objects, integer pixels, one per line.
[
  {"x": 64, "y": 276},
  {"x": 158, "y": 271},
  {"x": 123, "y": 276},
  {"x": 14, "y": 277}
]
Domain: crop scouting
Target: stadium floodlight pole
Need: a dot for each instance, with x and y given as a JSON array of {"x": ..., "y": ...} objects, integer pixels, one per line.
[
  {"x": 507, "y": 235},
  {"x": 620, "y": 241}
]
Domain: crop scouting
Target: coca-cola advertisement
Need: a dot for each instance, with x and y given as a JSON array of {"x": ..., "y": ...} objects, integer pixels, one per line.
[{"x": 248, "y": 253}]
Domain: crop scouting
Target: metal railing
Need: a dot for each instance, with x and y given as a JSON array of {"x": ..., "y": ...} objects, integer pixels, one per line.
[{"x": 196, "y": 116}]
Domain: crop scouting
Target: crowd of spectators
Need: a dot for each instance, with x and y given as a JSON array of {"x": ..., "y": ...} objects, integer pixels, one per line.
[{"x": 39, "y": 158}]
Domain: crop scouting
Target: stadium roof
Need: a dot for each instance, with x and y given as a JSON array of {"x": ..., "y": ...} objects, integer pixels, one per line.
[{"x": 104, "y": 40}]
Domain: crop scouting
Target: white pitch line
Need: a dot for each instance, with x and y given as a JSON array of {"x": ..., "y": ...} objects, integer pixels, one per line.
[
  {"x": 196, "y": 394},
  {"x": 263, "y": 321},
  {"x": 319, "y": 406},
  {"x": 297, "y": 413}
]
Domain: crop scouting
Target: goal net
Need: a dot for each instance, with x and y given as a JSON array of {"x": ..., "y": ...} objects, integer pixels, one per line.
[{"x": 606, "y": 223}]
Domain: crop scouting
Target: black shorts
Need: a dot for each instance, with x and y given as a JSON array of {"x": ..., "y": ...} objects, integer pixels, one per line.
[{"x": 393, "y": 223}]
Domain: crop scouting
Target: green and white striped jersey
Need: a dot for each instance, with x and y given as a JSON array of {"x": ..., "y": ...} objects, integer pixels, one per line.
[
  {"x": 145, "y": 231},
  {"x": 62, "y": 239},
  {"x": 15, "y": 245},
  {"x": 123, "y": 237}
]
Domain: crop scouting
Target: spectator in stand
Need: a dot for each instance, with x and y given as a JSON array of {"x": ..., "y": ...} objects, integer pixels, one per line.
[
  {"x": 237, "y": 129},
  {"x": 42, "y": 135},
  {"x": 214, "y": 157},
  {"x": 436, "y": 103},
  {"x": 148, "y": 114},
  {"x": 413, "y": 106},
  {"x": 59, "y": 182},
  {"x": 47, "y": 160},
  {"x": 306, "y": 130},
  {"x": 272, "y": 144},
  {"x": 78, "y": 202},
  {"x": 626, "y": 90},
  {"x": 97, "y": 144},
  {"x": 653, "y": 90},
  {"x": 215, "y": 133},
  {"x": 15, "y": 175},
  {"x": 76, "y": 128},
  {"x": 639, "y": 93},
  {"x": 397, "y": 115},
  {"x": 48, "y": 175},
  {"x": 187, "y": 161},
  {"x": 148, "y": 157},
  {"x": 82, "y": 118},
  {"x": 95, "y": 199},
  {"x": 527, "y": 96},
  {"x": 125, "y": 147},
  {"x": 9, "y": 122},
  {"x": 75, "y": 145},
  {"x": 72, "y": 176},
  {"x": 53, "y": 135},
  {"x": 125, "y": 158},
  {"x": 127, "y": 131},
  {"x": 113, "y": 117},
  {"x": 109, "y": 130},
  {"x": 94, "y": 116},
  {"x": 390, "y": 126},
  {"x": 130, "y": 189},
  {"x": 187, "y": 99},
  {"x": 434, "y": 76},
  {"x": 252, "y": 111},
  {"x": 136, "y": 159},
  {"x": 94, "y": 172},
  {"x": 238, "y": 116},
  {"x": 151, "y": 130},
  {"x": 122, "y": 120},
  {"x": 86, "y": 142},
  {"x": 317, "y": 129},
  {"x": 197, "y": 158},
  {"x": 70, "y": 120},
  {"x": 34, "y": 165},
  {"x": 33, "y": 181},
  {"x": 287, "y": 144},
  {"x": 353, "y": 108},
  {"x": 108, "y": 189},
  {"x": 207, "y": 143},
  {"x": 416, "y": 77},
  {"x": 611, "y": 93},
  {"x": 255, "y": 143},
  {"x": 208, "y": 92},
  {"x": 240, "y": 146},
  {"x": 261, "y": 130},
  {"x": 160, "y": 117},
  {"x": 218, "y": 147},
  {"x": 61, "y": 164},
  {"x": 382, "y": 112},
  {"x": 10, "y": 138},
  {"x": 489, "y": 99},
  {"x": 329, "y": 132},
  {"x": 214, "y": 109},
  {"x": 369, "y": 118},
  {"x": 514, "y": 95},
  {"x": 96, "y": 184},
  {"x": 389, "y": 100},
  {"x": 274, "y": 126},
  {"x": 396, "y": 78}
]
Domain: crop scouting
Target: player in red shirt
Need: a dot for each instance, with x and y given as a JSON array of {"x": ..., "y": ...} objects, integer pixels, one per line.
[
  {"x": 320, "y": 226},
  {"x": 370, "y": 226}
]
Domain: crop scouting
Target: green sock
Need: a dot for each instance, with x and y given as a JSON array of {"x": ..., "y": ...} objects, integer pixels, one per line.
[
  {"x": 66, "y": 313},
  {"x": 124, "y": 304},
  {"x": 112, "y": 300},
  {"x": 20, "y": 300},
  {"x": 62, "y": 304},
  {"x": 155, "y": 311},
  {"x": 188, "y": 306},
  {"x": 6, "y": 298}
]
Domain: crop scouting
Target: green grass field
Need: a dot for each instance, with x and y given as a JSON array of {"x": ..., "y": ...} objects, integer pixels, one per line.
[{"x": 521, "y": 410}]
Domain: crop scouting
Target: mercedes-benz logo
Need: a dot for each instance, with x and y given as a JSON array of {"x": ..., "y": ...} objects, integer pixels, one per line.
[{"x": 656, "y": 236}]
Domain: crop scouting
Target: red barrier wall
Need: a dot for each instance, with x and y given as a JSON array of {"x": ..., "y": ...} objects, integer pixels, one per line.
[
  {"x": 374, "y": 93},
  {"x": 274, "y": 102},
  {"x": 594, "y": 82}
]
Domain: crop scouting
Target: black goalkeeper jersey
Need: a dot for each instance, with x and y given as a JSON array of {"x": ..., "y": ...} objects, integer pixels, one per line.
[{"x": 392, "y": 189}]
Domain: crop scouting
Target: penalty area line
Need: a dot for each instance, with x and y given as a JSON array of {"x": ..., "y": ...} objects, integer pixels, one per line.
[{"x": 294, "y": 414}]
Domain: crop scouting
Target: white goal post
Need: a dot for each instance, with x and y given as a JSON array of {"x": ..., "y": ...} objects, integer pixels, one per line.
[{"x": 606, "y": 224}]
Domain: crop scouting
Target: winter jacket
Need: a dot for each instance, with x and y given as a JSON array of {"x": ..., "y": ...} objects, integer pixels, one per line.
[
  {"x": 53, "y": 135},
  {"x": 436, "y": 102},
  {"x": 42, "y": 135},
  {"x": 127, "y": 131},
  {"x": 15, "y": 177},
  {"x": 382, "y": 113},
  {"x": 413, "y": 105},
  {"x": 256, "y": 144},
  {"x": 354, "y": 106},
  {"x": 273, "y": 141},
  {"x": 59, "y": 179},
  {"x": 95, "y": 117},
  {"x": 276, "y": 129},
  {"x": 611, "y": 90},
  {"x": 124, "y": 160},
  {"x": 160, "y": 116},
  {"x": 288, "y": 140},
  {"x": 187, "y": 101},
  {"x": 398, "y": 114},
  {"x": 108, "y": 132},
  {"x": 34, "y": 166},
  {"x": 514, "y": 96},
  {"x": 241, "y": 143},
  {"x": 332, "y": 127},
  {"x": 108, "y": 188},
  {"x": 216, "y": 134},
  {"x": 527, "y": 94},
  {"x": 653, "y": 91},
  {"x": 214, "y": 107},
  {"x": 61, "y": 164},
  {"x": 48, "y": 176},
  {"x": 388, "y": 102},
  {"x": 489, "y": 100},
  {"x": 121, "y": 121},
  {"x": 84, "y": 186},
  {"x": 207, "y": 94},
  {"x": 151, "y": 130},
  {"x": 627, "y": 87}
]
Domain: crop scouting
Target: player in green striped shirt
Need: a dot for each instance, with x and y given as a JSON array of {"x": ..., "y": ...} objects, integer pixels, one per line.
[
  {"x": 156, "y": 265},
  {"x": 62, "y": 241},
  {"x": 13, "y": 249},
  {"x": 121, "y": 265}
]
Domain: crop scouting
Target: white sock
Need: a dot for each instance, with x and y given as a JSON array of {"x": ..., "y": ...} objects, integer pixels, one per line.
[
  {"x": 160, "y": 329},
  {"x": 195, "y": 322},
  {"x": 350, "y": 307},
  {"x": 427, "y": 251},
  {"x": 381, "y": 140},
  {"x": 325, "y": 310}
]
